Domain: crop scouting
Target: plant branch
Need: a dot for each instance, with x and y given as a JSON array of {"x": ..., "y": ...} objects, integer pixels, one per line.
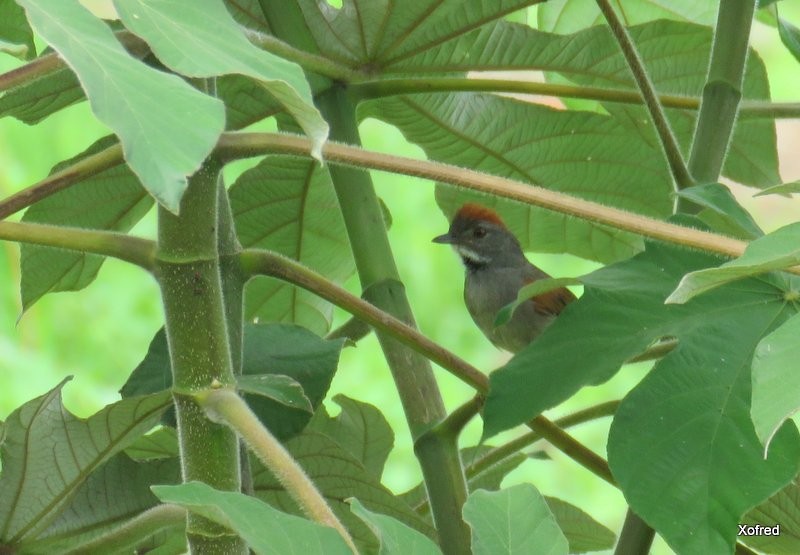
[
  {"x": 86, "y": 167},
  {"x": 50, "y": 63},
  {"x": 243, "y": 145},
  {"x": 308, "y": 61},
  {"x": 145, "y": 524},
  {"x": 257, "y": 262},
  {"x": 224, "y": 405},
  {"x": 502, "y": 452},
  {"x": 392, "y": 87},
  {"x": 668, "y": 141},
  {"x": 105, "y": 243}
]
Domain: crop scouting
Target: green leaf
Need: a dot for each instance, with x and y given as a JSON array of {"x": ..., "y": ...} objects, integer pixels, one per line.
[
  {"x": 695, "y": 402},
  {"x": 15, "y": 30},
  {"x": 588, "y": 155},
  {"x": 117, "y": 491},
  {"x": 568, "y": 16},
  {"x": 782, "y": 509},
  {"x": 163, "y": 141},
  {"x": 582, "y": 531},
  {"x": 532, "y": 290},
  {"x": 727, "y": 213},
  {"x": 282, "y": 389},
  {"x": 41, "y": 436},
  {"x": 513, "y": 521},
  {"x": 627, "y": 298},
  {"x": 776, "y": 382},
  {"x": 32, "y": 102},
  {"x": 395, "y": 537},
  {"x": 288, "y": 205},
  {"x": 775, "y": 251},
  {"x": 266, "y": 530},
  {"x": 338, "y": 476},
  {"x": 790, "y": 37},
  {"x": 278, "y": 349},
  {"x": 112, "y": 200},
  {"x": 161, "y": 443},
  {"x": 201, "y": 39},
  {"x": 782, "y": 189},
  {"x": 381, "y": 32},
  {"x": 360, "y": 429}
]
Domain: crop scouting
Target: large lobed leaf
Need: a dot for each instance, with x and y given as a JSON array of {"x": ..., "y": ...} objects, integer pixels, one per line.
[
  {"x": 588, "y": 155},
  {"x": 674, "y": 436},
  {"x": 111, "y": 200},
  {"x": 119, "y": 490},
  {"x": 288, "y": 205},
  {"x": 201, "y": 39},
  {"x": 48, "y": 454},
  {"x": 163, "y": 140},
  {"x": 675, "y": 54}
]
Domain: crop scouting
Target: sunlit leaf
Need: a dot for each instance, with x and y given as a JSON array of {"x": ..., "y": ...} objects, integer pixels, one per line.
[
  {"x": 775, "y": 251},
  {"x": 163, "y": 141},
  {"x": 776, "y": 381},
  {"x": 266, "y": 530},
  {"x": 201, "y": 39}
]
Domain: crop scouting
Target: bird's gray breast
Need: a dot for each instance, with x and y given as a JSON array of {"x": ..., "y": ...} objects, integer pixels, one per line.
[{"x": 486, "y": 291}]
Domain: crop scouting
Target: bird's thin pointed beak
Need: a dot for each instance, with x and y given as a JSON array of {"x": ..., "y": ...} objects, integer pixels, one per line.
[{"x": 445, "y": 239}]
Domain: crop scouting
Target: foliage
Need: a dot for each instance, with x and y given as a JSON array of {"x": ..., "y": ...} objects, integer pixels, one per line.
[{"x": 654, "y": 109}]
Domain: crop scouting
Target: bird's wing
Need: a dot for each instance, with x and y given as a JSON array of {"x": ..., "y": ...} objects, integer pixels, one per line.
[{"x": 552, "y": 302}]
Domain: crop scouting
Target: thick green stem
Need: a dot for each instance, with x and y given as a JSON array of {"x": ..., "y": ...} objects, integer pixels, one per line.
[
  {"x": 722, "y": 91},
  {"x": 243, "y": 145},
  {"x": 134, "y": 531},
  {"x": 412, "y": 373},
  {"x": 188, "y": 271},
  {"x": 636, "y": 536},
  {"x": 669, "y": 143},
  {"x": 226, "y": 406},
  {"x": 106, "y": 243}
]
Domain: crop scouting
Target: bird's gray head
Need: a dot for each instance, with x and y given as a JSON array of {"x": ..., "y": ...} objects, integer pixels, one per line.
[{"x": 481, "y": 238}]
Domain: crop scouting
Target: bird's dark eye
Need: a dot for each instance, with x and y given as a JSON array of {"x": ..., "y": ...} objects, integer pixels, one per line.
[{"x": 479, "y": 232}]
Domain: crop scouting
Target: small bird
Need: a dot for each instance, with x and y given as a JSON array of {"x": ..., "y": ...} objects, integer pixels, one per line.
[{"x": 496, "y": 269}]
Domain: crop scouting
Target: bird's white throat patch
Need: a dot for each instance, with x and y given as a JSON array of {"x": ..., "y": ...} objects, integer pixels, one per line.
[{"x": 470, "y": 255}]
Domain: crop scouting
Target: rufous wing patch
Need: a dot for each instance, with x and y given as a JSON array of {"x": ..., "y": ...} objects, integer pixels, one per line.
[{"x": 553, "y": 302}]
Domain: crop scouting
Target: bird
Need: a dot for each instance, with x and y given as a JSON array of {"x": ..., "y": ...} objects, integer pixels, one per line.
[{"x": 495, "y": 270}]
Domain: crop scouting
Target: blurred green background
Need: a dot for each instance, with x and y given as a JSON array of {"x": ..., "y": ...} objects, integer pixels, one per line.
[{"x": 99, "y": 335}]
